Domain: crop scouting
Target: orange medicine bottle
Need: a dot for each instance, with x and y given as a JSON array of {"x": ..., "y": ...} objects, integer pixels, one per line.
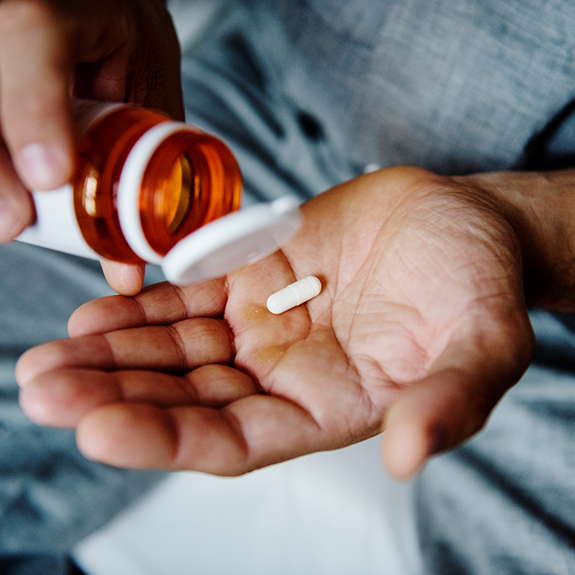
[
  {"x": 142, "y": 185},
  {"x": 135, "y": 163}
]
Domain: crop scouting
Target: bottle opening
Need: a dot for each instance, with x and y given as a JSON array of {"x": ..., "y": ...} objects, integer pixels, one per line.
[
  {"x": 189, "y": 181},
  {"x": 144, "y": 183},
  {"x": 177, "y": 200}
]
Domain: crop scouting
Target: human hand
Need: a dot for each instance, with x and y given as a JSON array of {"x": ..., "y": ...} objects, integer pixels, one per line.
[
  {"x": 420, "y": 329},
  {"x": 120, "y": 50}
]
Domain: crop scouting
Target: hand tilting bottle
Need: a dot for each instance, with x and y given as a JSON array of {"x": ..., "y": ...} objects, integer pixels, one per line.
[{"x": 142, "y": 184}]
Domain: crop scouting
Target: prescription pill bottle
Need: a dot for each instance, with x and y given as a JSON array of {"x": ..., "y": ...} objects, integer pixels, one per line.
[{"x": 142, "y": 183}]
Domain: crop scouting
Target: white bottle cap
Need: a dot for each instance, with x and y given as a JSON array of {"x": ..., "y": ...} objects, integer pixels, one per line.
[{"x": 232, "y": 241}]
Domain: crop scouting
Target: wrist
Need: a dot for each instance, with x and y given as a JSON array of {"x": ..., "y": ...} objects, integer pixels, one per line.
[{"x": 540, "y": 206}]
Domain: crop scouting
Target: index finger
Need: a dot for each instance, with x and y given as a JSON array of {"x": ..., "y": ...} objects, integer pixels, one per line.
[{"x": 35, "y": 74}]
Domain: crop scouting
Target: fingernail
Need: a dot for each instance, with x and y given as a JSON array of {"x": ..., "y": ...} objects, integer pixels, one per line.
[{"x": 41, "y": 167}]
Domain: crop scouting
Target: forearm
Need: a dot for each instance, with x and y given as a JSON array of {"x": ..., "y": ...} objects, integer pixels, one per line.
[{"x": 541, "y": 208}]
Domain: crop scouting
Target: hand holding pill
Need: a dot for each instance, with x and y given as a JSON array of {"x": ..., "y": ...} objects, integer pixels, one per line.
[{"x": 422, "y": 329}]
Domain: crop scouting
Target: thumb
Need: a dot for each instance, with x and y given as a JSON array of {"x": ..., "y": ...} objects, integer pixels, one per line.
[
  {"x": 454, "y": 400},
  {"x": 35, "y": 69}
]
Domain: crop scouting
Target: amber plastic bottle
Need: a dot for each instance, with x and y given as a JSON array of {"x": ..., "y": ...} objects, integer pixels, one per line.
[{"x": 142, "y": 183}]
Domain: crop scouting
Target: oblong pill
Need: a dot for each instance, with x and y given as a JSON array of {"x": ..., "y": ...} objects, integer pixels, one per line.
[{"x": 293, "y": 295}]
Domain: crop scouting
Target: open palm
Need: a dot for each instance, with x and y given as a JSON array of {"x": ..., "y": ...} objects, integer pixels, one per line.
[{"x": 420, "y": 328}]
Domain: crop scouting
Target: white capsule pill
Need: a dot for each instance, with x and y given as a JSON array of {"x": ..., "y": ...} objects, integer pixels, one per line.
[{"x": 293, "y": 295}]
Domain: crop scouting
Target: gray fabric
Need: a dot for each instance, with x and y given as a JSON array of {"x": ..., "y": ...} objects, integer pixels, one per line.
[
  {"x": 50, "y": 495},
  {"x": 504, "y": 502},
  {"x": 455, "y": 86}
]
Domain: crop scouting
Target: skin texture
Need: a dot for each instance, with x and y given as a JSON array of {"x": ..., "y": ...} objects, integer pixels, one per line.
[
  {"x": 421, "y": 327},
  {"x": 120, "y": 50}
]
